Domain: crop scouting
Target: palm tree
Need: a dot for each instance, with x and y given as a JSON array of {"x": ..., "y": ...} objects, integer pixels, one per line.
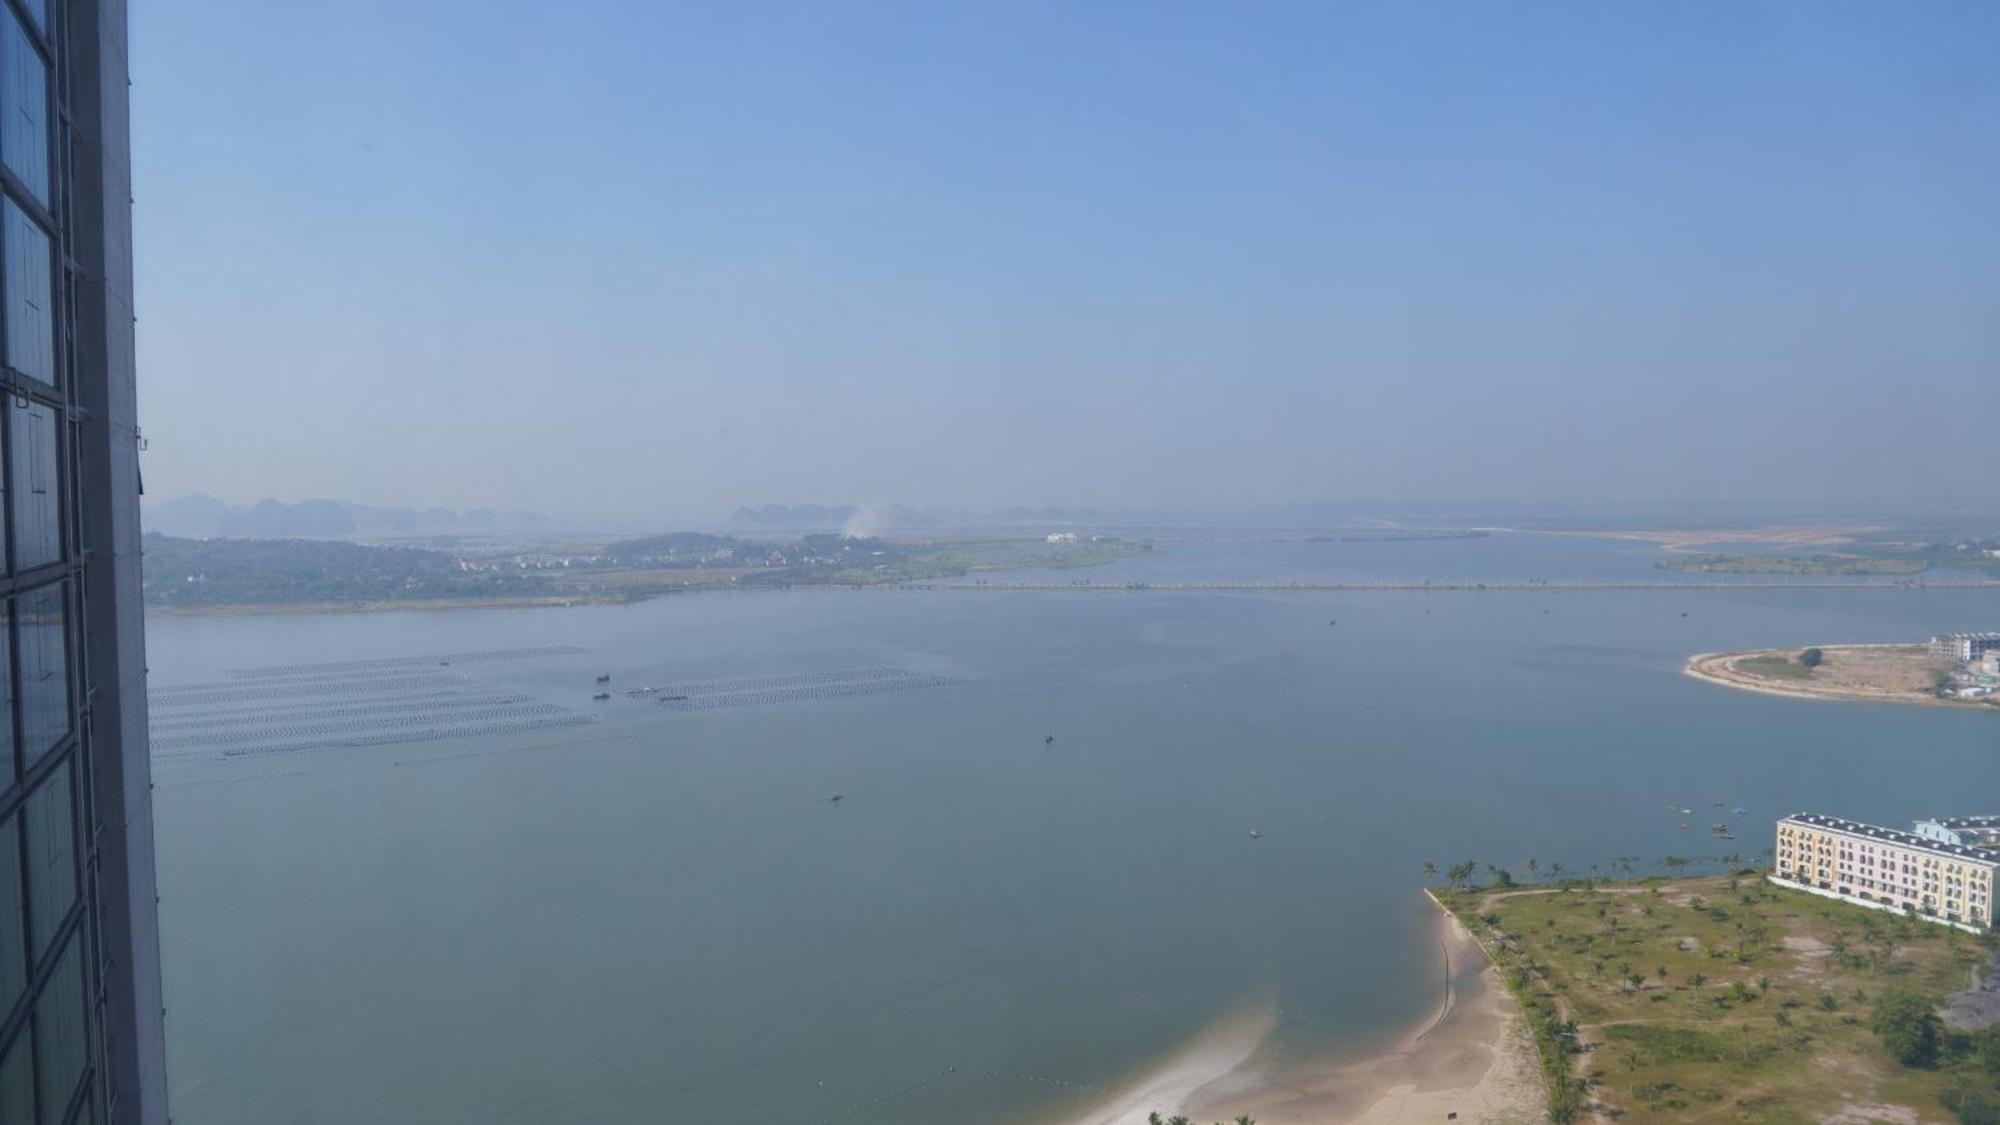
[{"x": 1430, "y": 870}]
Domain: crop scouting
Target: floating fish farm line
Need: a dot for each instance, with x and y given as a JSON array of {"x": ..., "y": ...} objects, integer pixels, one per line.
[
  {"x": 387, "y": 662},
  {"x": 170, "y": 714},
  {"x": 297, "y": 707},
  {"x": 792, "y": 680},
  {"x": 371, "y": 709},
  {"x": 195, "y": 694},
  {"x": 392, "y": 723},
  {"x": 750, "y": 691},
  {"x": 431, "y": 734},
  {"x": 802, "y": 694},
  {"x": 272, "y": 683}
]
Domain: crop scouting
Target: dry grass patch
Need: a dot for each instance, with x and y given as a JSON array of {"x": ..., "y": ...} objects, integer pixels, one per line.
[{"x": 1723, "y": 998}]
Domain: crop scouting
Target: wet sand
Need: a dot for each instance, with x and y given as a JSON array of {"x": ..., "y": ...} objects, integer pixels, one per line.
[
  {"x": 1218, "y": 1052},
  {"x": 1471, "y": 1056}
]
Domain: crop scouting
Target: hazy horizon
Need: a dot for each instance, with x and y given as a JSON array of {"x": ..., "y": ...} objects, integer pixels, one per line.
[
  {"x": 203, "y": 515},
  {"x": 657, "y": 264}
]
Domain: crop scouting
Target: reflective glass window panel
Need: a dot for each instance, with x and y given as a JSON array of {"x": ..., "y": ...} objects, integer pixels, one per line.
[
  {"x": 13, "y": 920},
  {"x": 39, "y": 620},
  {"x": 30, "y": 323},
  {"x": 24, "y": 108},
  {"x": 17, "y": 1084},
  {"x": 32, "y": 457},
  {"x": 10, "y": 763},
  {"x": 51, "y": 858},
  {"x": 4, "y": 552},
  {"x": 39, "y": 10},
  {"x": 59, "y": 1035}
]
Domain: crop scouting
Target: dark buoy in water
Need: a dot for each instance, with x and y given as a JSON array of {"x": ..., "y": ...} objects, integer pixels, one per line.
[
  {"x": 1049, "y": 740},
  {"x": 1684, "y": 613},
  {"x": 1333, "y": 623}
]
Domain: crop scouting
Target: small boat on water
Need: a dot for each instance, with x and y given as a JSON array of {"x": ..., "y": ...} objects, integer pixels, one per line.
[
  {"x": 604, "y": 677},
  {"x": 1256, "y": 835},
  {"x": 1685, "y": 826},
  {"x": 1048, "y": 740},
  {"x": 1687, "y": 812},
  {"x": 1738, "y": 810},
  {"x": 835, "y": 798},
  {"x": 601, "y": 696}
]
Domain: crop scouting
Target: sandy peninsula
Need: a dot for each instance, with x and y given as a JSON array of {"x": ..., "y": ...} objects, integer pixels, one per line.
[
  {"x": 1856, "y": 673},
  {"x": 1471, "y": 1056}
]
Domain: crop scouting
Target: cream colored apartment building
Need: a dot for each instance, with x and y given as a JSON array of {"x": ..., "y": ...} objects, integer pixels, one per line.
[{"x": 1943, "y": 870}]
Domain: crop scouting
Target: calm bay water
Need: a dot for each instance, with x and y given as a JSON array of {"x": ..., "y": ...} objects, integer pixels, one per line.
[{"x": 661, "y": 913}]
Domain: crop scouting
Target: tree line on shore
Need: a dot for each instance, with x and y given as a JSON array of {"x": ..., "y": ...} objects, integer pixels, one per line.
[{"x": 1461, "y": 876}]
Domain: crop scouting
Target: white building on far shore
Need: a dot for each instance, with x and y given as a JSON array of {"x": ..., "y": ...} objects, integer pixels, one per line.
[{"x": 1964, "y": 648}]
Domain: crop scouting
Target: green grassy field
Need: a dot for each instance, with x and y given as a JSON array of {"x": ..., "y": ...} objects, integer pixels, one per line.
[
  {"x": 1775, "y": 667},
  {"x": 1722, "y": 998}
]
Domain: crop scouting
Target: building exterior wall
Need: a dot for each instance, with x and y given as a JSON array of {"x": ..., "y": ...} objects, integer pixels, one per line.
[
  {"x": 80, "y": 1000},
  {"x": 1963, "y": 648},
  {"x": 1886, "y": 867}
]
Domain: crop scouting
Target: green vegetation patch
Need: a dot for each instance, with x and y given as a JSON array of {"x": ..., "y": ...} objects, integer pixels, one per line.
[
  {"x": 1777, "y": 667},
  {"x": 1827, "y": 564},
  {"x": 1726, "y": 998},
  {"x": 190, "y": 573}
]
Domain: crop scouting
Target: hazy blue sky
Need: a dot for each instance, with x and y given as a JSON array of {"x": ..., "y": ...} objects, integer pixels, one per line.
[{"x": 665, "y": 259}]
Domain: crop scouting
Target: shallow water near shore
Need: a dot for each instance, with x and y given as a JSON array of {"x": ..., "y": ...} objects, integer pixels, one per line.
[{"x": 662, "y": 908}]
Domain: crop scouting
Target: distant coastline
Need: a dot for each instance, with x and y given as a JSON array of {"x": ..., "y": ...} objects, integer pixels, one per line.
[
  {"x": 411, "y": 605},
  {"x": 290, "y": 576},
  {"x": 722, "y": 584}
]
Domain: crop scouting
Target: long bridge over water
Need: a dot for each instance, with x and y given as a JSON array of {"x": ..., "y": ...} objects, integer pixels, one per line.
[{"x": 1504, "y": 585}]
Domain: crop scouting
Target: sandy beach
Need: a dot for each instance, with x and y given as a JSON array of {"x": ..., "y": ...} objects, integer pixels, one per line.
[
  {"x": 1220, "y": 1051},
  {"x": 1471, "y": 1056}
]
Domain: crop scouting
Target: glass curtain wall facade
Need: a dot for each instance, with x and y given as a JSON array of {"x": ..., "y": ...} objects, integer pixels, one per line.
[{"x": 79, "y": 1008}]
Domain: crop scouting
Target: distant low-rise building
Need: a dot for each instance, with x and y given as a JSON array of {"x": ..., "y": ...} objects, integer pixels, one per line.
[
  {"x": 1062, "y": 536},
  {"x": 1964, "y": 648},
  {"x": 1943, "y": 870}
]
